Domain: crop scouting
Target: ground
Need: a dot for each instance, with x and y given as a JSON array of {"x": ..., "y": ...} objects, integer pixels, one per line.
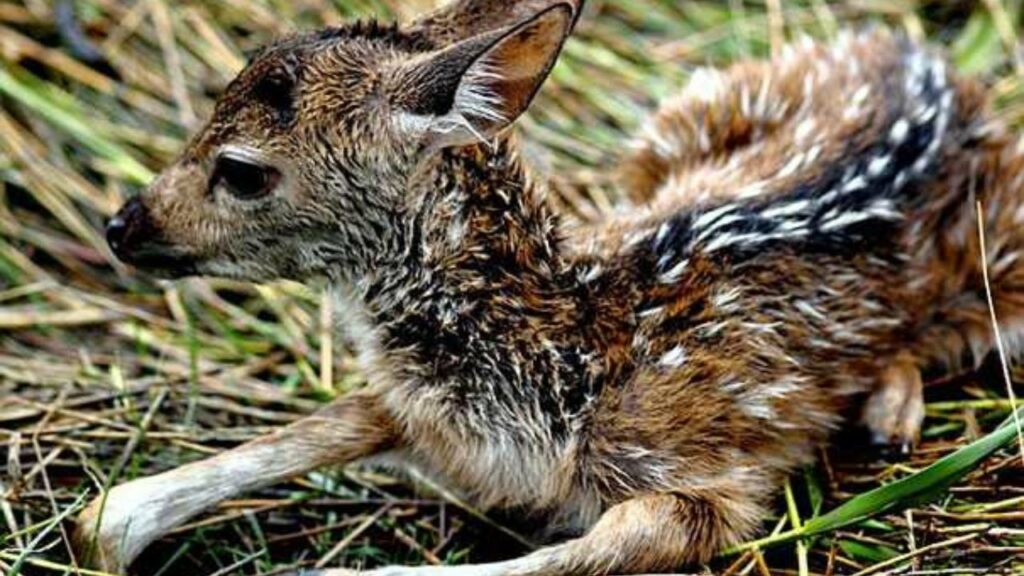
[{"x": 107, "y": 376}]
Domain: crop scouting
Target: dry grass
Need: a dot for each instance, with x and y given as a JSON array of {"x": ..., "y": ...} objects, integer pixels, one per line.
[{"x": 105, "y": 376}]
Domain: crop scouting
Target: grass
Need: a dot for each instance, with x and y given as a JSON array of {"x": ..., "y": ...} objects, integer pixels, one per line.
[{"x": 106, "y": 376}]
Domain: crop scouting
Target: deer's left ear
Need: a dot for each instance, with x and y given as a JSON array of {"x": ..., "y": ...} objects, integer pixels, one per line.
[{"x": 474, "y": 88}]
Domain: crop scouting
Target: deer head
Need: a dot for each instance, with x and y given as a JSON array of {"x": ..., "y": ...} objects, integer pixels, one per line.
[{"x": 312, "y": 157}]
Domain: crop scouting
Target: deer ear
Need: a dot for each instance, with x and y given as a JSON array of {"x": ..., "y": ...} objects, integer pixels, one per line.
[
  {"x": 462, "y": 19},
  {"x": 476, "y": 87}
]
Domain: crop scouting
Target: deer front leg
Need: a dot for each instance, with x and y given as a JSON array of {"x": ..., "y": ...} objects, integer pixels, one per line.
[
  {"x": 117, "y": 527},
  {"x": 647, "y": 534}
]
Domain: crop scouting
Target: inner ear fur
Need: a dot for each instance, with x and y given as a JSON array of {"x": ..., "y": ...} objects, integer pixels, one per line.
[{"x": 478, "y": 86}]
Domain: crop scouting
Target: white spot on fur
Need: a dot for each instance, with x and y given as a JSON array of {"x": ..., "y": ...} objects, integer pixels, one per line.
[
  {"x": 662, "y": 232},
  {"x": 651, "y": 312},
  {"x": 898, "y": 133},
  {"x": 813, "y": 154},
  {"x": 857, "y": 183},
  {"x": 900, "y": 181},
  {"x": 844, "y": 220},
  {"x": 712, "y": 215},
  {"x": 751, "y": 190},
  {"x": 794, "y": 228},
  {"x": 673, "y": 274},
  {"x": 804, "y": 129},
  {"x": 809, "y": 310},
  {"x": 674, "y": 358},
  {"x": 861, "y": 94},
  {"x": 720, "y": 223},
  {"x": 725, "y": 299},
  {"x": 757, "y": 409},
  {"x": 788, "y": 209},
  {"x": 878, "y": 165},
  {"x": 790, "y": 168},
  {"x": 593, "y": 274}
]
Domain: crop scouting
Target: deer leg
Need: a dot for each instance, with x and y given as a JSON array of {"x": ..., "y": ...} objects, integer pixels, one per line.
[
  {"x": 895, "y": 409},
  {"x": 115, "y": 528},
  {"x": 646, "y": 534}
]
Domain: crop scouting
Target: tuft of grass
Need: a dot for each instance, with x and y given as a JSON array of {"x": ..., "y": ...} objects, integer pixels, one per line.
[{"x": 106, "y": 377}]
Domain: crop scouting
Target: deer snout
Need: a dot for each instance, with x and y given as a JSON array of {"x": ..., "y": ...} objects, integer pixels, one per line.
[
  {"x": 135, "y": 239},
  {"x": 126, "y": 228}
]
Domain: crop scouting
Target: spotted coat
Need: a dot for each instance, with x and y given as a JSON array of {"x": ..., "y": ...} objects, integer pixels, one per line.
[{"x": 802, "y": 235}]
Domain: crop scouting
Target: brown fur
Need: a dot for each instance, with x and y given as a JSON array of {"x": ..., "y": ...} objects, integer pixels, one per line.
[{"x": 804, "y": 234}]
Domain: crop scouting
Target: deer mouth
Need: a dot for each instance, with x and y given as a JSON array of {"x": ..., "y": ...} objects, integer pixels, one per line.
[
  {"x": 136, "y": 241},
  {"x": 161, "y": 260}
]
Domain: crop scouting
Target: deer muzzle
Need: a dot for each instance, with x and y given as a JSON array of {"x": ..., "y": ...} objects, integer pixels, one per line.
[{"x": 136, "y": 240}]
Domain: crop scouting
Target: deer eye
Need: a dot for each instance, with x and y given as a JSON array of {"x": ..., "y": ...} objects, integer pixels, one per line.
[{"x": 243, "y": 179}]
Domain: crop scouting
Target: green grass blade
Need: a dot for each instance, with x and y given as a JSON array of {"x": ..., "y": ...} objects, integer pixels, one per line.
[
  {"x": 912, "y": 490},
  {"x": 867, "y": 553},
  {"x": 72, "y": 123},
  {"x": 916, "y": 488},
  {"x": 978, "y": 47}
]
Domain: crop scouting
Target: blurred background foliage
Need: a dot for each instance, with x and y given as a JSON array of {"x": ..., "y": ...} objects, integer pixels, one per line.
[{"x": 105, "y": 375}]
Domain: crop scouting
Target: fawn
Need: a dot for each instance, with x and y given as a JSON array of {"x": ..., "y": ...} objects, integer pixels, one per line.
[{"x": 804, "y": 236}]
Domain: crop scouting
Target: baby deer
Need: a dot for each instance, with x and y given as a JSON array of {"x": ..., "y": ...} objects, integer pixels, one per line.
[{"x": 805, "y": 233}]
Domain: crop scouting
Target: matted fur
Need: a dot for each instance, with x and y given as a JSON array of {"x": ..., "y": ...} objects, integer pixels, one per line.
[{"x": 803, "y": 235}]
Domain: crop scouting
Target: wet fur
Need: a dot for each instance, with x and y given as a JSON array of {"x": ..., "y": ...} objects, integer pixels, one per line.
[{"x": 803, "y": 235}]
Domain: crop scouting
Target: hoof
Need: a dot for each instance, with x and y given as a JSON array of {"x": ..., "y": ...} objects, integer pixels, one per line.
[
  {"x": 894, "y": 412},
  {"x": 93, "y": 546}
]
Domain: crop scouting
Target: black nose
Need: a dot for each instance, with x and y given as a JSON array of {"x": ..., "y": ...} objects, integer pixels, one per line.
[
  {"x": 126, "y": 226},
  {"x": 116, "y": 229}
]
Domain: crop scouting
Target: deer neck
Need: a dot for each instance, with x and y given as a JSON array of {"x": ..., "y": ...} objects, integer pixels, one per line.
[{"x": 478, "y": 256}]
